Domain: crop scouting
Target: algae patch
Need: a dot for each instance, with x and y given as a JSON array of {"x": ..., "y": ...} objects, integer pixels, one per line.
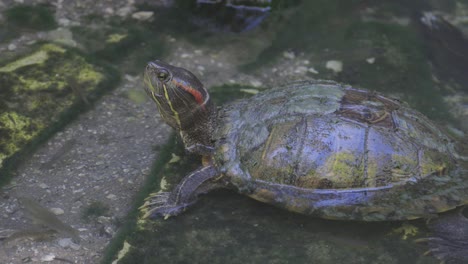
[
  {"x": 15, "y": 130},
  {"x": 39, "y": 90},
  {"x": 36, "y": 58},
  {"x": 406, "y": 230},
  {"x": 115, "y": 38},
  {"x": 125, "y": 249}
]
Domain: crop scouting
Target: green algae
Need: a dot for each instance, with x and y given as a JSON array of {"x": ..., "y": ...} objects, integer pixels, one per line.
[
  {"x": 115, "y": 38},
  {"x": 42, "y": 91},
  {"x": 16, "y": 130},
  {"x": 137, "y": 96},
  {"x": 344, "y": 169},
  {"x": 35, "y": 58}
]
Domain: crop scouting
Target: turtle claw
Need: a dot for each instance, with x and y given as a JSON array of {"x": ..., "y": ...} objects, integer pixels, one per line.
[
  {"x": 450, "y": 239},
  {"x": 164, "y": 211},
  {"x": 157, "y": 205},
  {"x": 442, "y": 249},
  {"x": 156, "y": 199}
]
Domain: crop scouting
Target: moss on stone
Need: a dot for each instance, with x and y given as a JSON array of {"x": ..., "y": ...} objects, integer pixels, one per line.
[
  {"x": 89, "y": 75},
  {"x": 115, "y": 38},
  {"x": 39, "y": 91},
  {"x": 16, "y": 130},
  {"x": 35, "y": 58}
]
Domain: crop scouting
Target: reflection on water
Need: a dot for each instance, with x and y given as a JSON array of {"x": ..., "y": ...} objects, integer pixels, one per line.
[{"x": 235, "y": 16}]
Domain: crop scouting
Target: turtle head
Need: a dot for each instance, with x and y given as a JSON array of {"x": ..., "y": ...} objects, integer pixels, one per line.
[{"x": 183, "y": 103}]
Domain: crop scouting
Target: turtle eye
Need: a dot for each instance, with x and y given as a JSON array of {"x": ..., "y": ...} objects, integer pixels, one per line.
[{"x": 163, "y": 75}]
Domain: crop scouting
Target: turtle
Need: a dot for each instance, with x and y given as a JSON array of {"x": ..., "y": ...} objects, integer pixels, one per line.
[{"x": 319, "y": 148}]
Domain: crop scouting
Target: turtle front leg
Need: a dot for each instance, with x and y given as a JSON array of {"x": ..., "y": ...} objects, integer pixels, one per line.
[
  {"x": 166, "y": 204},
  {"x": 450, "y": 240}
]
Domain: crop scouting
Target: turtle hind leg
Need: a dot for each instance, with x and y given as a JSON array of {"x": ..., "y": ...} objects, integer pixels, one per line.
[
  {"x": 166, "y": 204},
  {"x": 449, "y": 242}
]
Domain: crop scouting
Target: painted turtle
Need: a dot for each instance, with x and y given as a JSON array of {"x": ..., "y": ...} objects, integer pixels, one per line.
[{"x": 314, "y": 147}]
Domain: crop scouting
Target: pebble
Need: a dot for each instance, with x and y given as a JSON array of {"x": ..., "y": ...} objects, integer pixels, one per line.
[
  {"x": 64, "y": 22},
  {"x": 104, "y": 219},
  {"x": 57, "y": 211},
  {"x": 48, "y": 257},
  {"x": 62, "y": 36},
  {"x": 43, "y": 186},
  {"x": 143, "y": 15},
  {"x": 312, "y": 70},
  {"x": 334, "y": 65},
  {"x": 130, "y": 78},
  {"x": 256, "y": 83},
  {"x": 109, "y": 230},
  {"x": 301, "y": 70},
  {"x": 11, "y": 47},
  {"x": 68, "y": 243},
  {"x": 370, "y": 60},
  {"x": 109, "y": 11},
  {"x": 125, "y": 11},
  {"x": 289, "y": 55},
  {"x": 111, "y": 197}
]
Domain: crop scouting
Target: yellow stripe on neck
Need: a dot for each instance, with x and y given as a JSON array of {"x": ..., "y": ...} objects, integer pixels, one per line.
[{"x": 176, "y": 114}]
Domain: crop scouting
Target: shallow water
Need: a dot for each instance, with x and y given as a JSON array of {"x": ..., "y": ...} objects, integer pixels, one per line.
[{"x": 381, "y": 45}]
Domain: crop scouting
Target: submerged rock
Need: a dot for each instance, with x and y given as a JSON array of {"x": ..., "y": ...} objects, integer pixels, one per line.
[{"x": 38, "y": 89}]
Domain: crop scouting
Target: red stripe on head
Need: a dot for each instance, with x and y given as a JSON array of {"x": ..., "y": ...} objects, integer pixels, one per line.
[{"x": 195, "y": 93}]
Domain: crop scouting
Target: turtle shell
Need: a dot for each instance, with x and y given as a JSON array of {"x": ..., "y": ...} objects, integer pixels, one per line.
[{"x": 326, "y": 149}]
